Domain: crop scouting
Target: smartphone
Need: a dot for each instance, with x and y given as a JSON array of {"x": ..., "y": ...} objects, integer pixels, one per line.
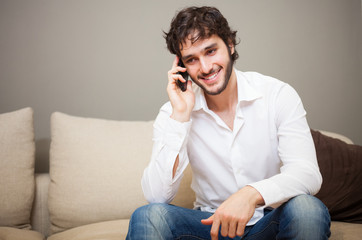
[{"x": 185, "y": 75}]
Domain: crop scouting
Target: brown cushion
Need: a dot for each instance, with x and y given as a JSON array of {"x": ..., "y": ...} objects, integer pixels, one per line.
[
  {"x": 341, "y": 167},
  {"x": 17, "y": 150}
]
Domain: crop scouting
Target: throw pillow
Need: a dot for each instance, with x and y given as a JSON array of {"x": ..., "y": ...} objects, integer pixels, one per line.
[
  {"x": 17, "y": 156},
  {"x": 341, "y": 167},
  {"x": 96, "y": 167}
]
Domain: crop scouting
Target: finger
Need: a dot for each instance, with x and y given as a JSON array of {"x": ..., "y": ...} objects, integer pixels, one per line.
[
  {"x": 172, "y": 80},
  {"x": 175, "y": 67},
  {"x": 173, "y": 75},
  {"x": 176, "y": 77},
  {"x": 208, "y": 221},
  {"x": 232, "y": 229},
  {"x": 240, "y": 229},
  {"x": 224, "y": 228},
  {"x": 215, "y": 229},
  {"x": 175, "y": 62}
]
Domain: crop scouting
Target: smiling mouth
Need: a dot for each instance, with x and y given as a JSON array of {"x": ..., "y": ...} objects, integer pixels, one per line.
[{"x": 211, "y": 77}]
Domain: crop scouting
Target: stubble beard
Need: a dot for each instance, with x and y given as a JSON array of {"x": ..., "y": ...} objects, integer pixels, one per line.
[{"x": 229, "y": 68}]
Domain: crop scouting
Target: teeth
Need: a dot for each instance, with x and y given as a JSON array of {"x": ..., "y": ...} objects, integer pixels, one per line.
[{"x": 212, "y": 76}]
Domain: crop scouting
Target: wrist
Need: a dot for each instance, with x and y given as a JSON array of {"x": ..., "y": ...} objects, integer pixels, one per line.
[
  {"x": 180, "y": 117},
  {"x": 254, "y": 196}
]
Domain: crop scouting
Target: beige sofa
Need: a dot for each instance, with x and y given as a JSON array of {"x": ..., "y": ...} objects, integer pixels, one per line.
[{"x": 94, "y": 181}]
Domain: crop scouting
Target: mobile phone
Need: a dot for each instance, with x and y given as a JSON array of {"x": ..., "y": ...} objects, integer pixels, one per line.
[{"x": 185, "y": 75}]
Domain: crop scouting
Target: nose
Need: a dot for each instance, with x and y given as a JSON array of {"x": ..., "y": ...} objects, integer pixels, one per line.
[{"x": 206, "y": 65}]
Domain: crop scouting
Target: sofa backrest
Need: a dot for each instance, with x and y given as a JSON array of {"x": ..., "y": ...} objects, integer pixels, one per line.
[
  {"x": 95, "y": 170},
  {"x": 96, "y": 167}
]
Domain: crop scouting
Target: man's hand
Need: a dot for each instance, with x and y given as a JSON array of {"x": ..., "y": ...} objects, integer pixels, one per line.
[
  {"x": 182, "y": 102},
  {"x": 233, "y": 214}
]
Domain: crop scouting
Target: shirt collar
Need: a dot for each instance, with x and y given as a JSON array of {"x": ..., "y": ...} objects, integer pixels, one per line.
[{"x": 246, "y": 92}]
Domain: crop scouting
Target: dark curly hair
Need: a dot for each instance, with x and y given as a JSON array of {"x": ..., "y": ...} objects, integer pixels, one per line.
[{"x": 199, "y": 23}]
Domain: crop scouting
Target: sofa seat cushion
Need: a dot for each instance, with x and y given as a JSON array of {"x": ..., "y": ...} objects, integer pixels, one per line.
[
  {"x": 17, "y": 157},
  {"x": 348, "y": 231},
  {"x": 9, "y": 233},
  {"x": 110, "y": 230}
]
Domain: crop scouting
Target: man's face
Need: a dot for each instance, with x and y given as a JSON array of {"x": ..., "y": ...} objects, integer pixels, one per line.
[{"x": 208, "y": 62}]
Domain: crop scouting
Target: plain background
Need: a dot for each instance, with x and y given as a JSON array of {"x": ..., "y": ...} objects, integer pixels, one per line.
[{"x": 108, "y": 59}]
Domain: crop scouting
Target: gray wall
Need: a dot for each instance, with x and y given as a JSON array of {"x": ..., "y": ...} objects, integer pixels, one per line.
[{"x": 107, "y": 59}]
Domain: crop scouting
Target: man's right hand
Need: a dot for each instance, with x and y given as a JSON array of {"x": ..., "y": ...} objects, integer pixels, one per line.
[{"x": 182, "y": 102}]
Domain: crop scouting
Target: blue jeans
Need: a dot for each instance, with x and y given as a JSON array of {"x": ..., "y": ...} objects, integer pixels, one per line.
[{"x": 302, "y": 217}]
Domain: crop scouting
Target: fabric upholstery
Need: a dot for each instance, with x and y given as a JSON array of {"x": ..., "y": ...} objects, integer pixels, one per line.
[
  {"x": 40, "y": 215},
  {"x": 345, "y": 231},
  {"x": 10, "y": 233},
  {"x": 95, "y": 169},
  {"x": 110, "y": 230},
  {"x": 17, "y": 156},
  {"x": 341, "y": 167}
]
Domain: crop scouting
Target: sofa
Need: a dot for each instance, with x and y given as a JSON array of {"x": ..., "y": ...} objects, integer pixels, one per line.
[{"x": 93, "y": 184}]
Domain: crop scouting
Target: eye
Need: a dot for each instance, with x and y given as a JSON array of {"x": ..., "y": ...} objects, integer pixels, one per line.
[
  {"x": 190, "y": 60},
  {"x": 211, "y": 51}
]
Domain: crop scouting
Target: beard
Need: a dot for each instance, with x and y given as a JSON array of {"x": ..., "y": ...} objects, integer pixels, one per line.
[{"x": 227, "y": 75}]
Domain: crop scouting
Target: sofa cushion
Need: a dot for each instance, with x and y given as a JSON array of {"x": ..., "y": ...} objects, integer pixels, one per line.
[
  {"x": 348, "y": 231},
  {"x": 95, "y": 169},
  {"x": 17, "y": 153},
  {"x": 40, "y": 214},
  {"x": 110, "y": 230},
  {"x": 10, "y": 233},
  {"x": 341, "y": 167}
]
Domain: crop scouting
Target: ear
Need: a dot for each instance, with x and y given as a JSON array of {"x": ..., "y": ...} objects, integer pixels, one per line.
[{"x": 231, "y": 47}]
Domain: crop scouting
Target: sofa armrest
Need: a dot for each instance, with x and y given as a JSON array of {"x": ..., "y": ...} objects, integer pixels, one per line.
[{"x": 40, "y": 215}]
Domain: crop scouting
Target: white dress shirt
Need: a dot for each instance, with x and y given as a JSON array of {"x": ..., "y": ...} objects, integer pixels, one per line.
[{"x": 270, "y": 148}]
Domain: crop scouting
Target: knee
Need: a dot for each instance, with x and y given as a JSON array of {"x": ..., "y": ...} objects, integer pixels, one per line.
[
  {"x": 307, "y": 205},
  {"x": 154, "y": 212},
  {"x": 305, "y": 217},
  {"x": 149, "y": 222},
  {"x": 308, "y": 210}
]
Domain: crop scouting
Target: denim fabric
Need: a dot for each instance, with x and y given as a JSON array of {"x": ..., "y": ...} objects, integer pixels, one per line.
[{"x": 303, "y": 217}]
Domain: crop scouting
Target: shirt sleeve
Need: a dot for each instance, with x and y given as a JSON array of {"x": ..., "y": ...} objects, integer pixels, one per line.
[
  {"x": 169, "y": 141},
  {"x": 299, "y": 172}
]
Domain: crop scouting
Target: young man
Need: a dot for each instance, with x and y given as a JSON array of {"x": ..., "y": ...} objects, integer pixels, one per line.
[{"x": 246, "y": 138}]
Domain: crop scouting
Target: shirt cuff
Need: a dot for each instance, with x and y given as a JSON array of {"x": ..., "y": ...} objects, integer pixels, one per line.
[{"x": 271, "y": 192}]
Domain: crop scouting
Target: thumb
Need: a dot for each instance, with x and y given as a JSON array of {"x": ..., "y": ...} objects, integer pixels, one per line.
[{"x": 208, "y": 221}]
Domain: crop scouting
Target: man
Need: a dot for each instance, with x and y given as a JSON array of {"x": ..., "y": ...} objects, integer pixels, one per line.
[{"x": 246, "y": 138}]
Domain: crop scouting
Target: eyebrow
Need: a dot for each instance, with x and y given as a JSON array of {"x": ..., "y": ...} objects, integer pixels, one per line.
[{"x": 213, "y": 45}]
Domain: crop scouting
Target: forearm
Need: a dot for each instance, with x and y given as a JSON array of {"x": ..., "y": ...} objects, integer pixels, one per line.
[
  {"x": 288, "y": 184},
  {"x": 162, "y": 176},
  {"x": 158, "y": 183}
]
